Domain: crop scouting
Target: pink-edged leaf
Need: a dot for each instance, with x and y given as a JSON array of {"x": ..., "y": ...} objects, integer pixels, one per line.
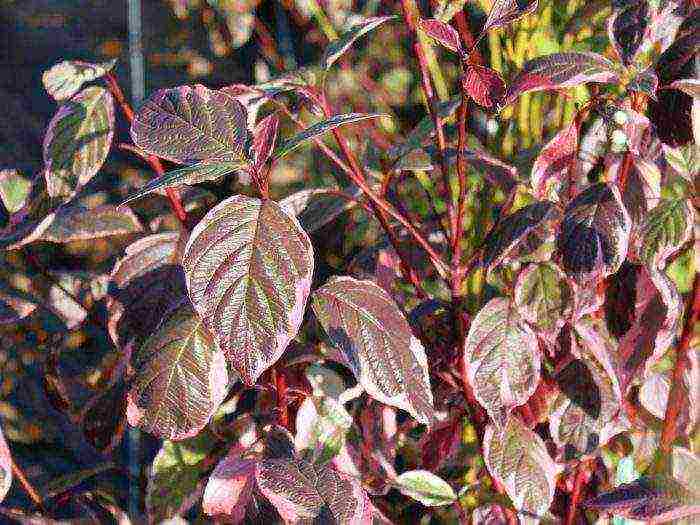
[
  {"x": 444, "y": 34},
  {"x": 690, "y": 86},
  {"x": 230, "y": 487},
  {"x": 627, "y": 26},
  {"x": 518, "y": 459},
  {"x": 663, "y": 231},
  {"x": 502, "y": 359},
  {"x": 551, "y": 170},
  {"x": 484, "y": 85},
  {"x": 337, "y": 47},
  {"x": 643, "y": 188},
  {"x": 80, "y": 224},
  {"x": 264, "y": 137},
  {"x": 365, "y": 324},
  {"x": 300, "y": 490},
  {"x": 561, "y": 70},
  {"x": 654, "y": 499},
  {"x": 191, "y": 124},
  {"x": 5, "y": 467},
  {"x": 63, "y": 80},
  {"x": 77, "y": 141},
  {"x": 248, "y": 267},
  {"x": 181, "y": 377},
  {"x": 544, "y": 297},
  {"x": 645, "y": 82},
  {"x": 504, "y": 12},
  {"x": 595, "y": 233}
]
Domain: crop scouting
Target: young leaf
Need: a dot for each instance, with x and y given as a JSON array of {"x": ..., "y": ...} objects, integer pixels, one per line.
[
  {"x": 314, "y": 208},
  {"x": 63, "y": 80},
  {"x": 544, "y": 297},
  {"x": 365, "y": 324},
  {"x": 626, "y": 28},
  {"x": 443, "y": 33},
  {"x": 319, "y": 129},
  {"x": 518, "y": 459},
  {"x": 14, "y": 190},
  {"x": 264, "y": 137},
  {"x": 594, "y": 233},
  {"x": 181, "y": 377},
  {"x": 690, "y": 86},
  {"x": 336, "y": 48},
  {"x": 426, "y": 487},
  {"x": 75, "y": 223},
  {"x": 192, "y": 124},
  {"x": 248, "y": 267},
  {"x": 484, "y": 85},
  {"x": 506, "y": 12},
  {"x": 502, "y": 359},
  {"x": 560, "y": 70},
  {"x": 5, "y": 467},
  {"x": 77, "y": 141},
  {"x": 552, "y": 168},
  {"x": 663, "y": 231},
  {"x": 230, "y": 487}
]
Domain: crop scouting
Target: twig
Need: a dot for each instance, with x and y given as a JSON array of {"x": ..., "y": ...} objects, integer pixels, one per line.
[
  {"x": 27, "y": 486},
  {"x": 579, "y": 483}
]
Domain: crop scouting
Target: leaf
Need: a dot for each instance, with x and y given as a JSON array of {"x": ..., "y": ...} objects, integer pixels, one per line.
[
  {"x": 552, "y": 168},
  {"x": 690, "y": 86},
  {"x": 75, "y": 223},
  {"x": 626, "y": 28},
  {"x": 684, "y": 160},
  {"x": 191, "y": 124},
  {"x": 103, "y": 419},
  {"x": 504, "y": 12},
  {"x": 664, "y": 230},
  {"x": 5, "y": 467},
  {"x": 319, "y": 129},
  {"x": 63, "y": 80},
  {"x": 264, "y": 137},
  {"x": 365, "y": 324},
  {"x": 230, "y": 487},
  {"x": 653, "y": 394},
  {"x": 337, "y": 47},
  {"x": 484, "y": 85},
  {"x": 77, "y": 141},
  {"x": 14, "y": 190},
  {"x": 643, "y": 189},
  {"x": 685, "y": 467},
  {"x": 502, "y": 359},
  {"x": 490, "y": 514},
  {"x": 426, "y": 487},
  {"x": 248, "y": 267},
  {"x": 518, "y": 459},
  {"x": 594, "y": 233},
  {"x": 560, "y": 70},
  {"x": 443, "y": 33},
  {"x": 321, "y": 426},
  {"x": 645, "y": 82},
  {"x": 300, "y": 490},
  {"x": 544, "y": 297},
  {"x": 316, "y": 207},
  {"x": 653, "y": 498},
  {"x": 525, "y": 230}
]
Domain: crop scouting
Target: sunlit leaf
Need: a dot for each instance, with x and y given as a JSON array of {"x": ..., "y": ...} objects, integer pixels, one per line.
[
  {"x": 653, "y": 394},
  {"x": 518, "y": 459},
  {"x": 230, "y": 487},
  {"x": 690, "y": 86},
  {"x": 544, "y": 297},
  {"x": 190, "y": 124},
  {"x": 264, "y": 137},
  {"x": 248, "y": 267},
  {"x": 560, "y": 70},
  {"x": 626, "y": 28},
  {"x": 491, "y": 514},
  {"x": 14, "y": 189},
  {"x": 553, "y": 166},
  {"x": 502, "y": 358},
  {"x": 336, "y": 48},
  {"x": 63, "y": 80},
  {"x": 314, "y": 208},
  {"x": 444, "y": 34},
  {"x": 504, "y": 12},
  {"x": 685, "y": 160},
  {"x": 594, "y": 233},
  {"x": 685, "y": 467},
  {"x": 426, "y": 487},
  {"x": 365, "y": 324},
  {"x": 319, "y": 129},
  {"x": 321, "y": 426},
  {"x": 79, "y": 224},
  {"x": 484, "y": 85},
  {"x": 77, "y": 141},
  {"x": 663, "y": 231},
  {"x": 5, "y": 467}
]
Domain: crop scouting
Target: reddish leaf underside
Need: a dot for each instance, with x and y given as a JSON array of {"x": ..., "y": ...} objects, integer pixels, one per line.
[
  {"x": 484, "y": 85},
  {"x": 444, "y": 34}
]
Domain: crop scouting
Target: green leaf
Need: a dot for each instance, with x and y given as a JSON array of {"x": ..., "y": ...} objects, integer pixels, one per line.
[
  {"x": 684, "y": 160},
  {"x": 544, "y": 297},
  {"x": 663, "y": 231},
  {"x": 426, "y": 487},
  {"x": 14, "y": 189},
  {"x": 336, "y": 48},
  {"x": 319, "y": 129}
]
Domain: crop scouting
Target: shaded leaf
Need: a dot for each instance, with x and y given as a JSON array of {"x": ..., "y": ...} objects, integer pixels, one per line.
[
  {"x": 319, "y": 129},
  {"x": 502, "y": 359},
  {"x": 337, "y": 47},
  {"x": 316, "y": 207},
  {"x": 544, "y": 297},
  {"x": 77, "y": 141},
  {"x": 14, "y": 190},
  {"x": 594, "y": 233},
  {"x": 690, "y": 86},
  {"x": 518, "y": 459},
  {"x": 5, "y": 467},
  {"x": 63, "y": 80},
  {"x": 663, "y": 231},
  {"x": 264, "y": 137},
  {"x": 552, "y": 168},
  {"x": 560, "y": 70},
  {"x": 190, "y": 124},
  {"x": 321, "y": 426},
  {"x": 504, "y": 12},
  {"x": 248, "y": 267},
  {"x": 642, "y": 190},
  {"x": 79, "y": 224},
  {"x": 483, "y": 84},
  {"x": 230, "y": 487},
  {"x": 443, "y": 33},
  {"x": 645, "y": 82},
  {"x": 104, "y": 418},
  {"x": 426, "y": 487},
  {"x": 626, "y": 28}
]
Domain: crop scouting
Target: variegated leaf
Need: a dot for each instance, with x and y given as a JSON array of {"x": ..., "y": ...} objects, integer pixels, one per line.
[
  {"x": 264, "y": 137},
  {"x": 314, "y": 208},
  {"x": 336, "y": 48},
  {"x": 544, "y": 297},
  {"x": 321, "y": 426},
  {"x": 642, "y": 191},
  {"x": 684, "y": 160},
  {"x": 664, "y": 230},
  {"x": 63, "y": 80},
  {"x": 230, "y": 487},
  {"x": 191, "y": 124},
  {"x": 443, "y": 33},
  {"x": 690, "y": 86},
  {"x": 483, "y": 84},
  {"x": 376, "y": 341},
  {"x": 553, "y": 166},
  {"x": 626, "y": 28},
  {"x": 504, "y": 12},
  {"x": 594, "y": 233},
  {"x": 645, "y": 82},
  {"x": 5, "y": 467},
  {"x": 79, "y": 224},
  {"x": 248, "y": 267},
  {"x": 77, "y": 141},
  {"x": 14, "y": 190},
  {"x": 426, "y": 487},
  {"x": 518, "y": 459},
  {"x": 502, "y": 359}
]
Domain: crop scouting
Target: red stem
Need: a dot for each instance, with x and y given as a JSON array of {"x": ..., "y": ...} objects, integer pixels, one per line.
[
  {"x": 280, "y": 382},
  {"x": 579, "y": 483}
]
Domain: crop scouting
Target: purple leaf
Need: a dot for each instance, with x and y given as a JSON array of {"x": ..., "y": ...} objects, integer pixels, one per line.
[
  {"x": 230, "y": 487},
  {"x": 264, "y": 136},
  {"x": 80, "y": 224},
  {"x": 506, "y": 12},
  {"x": 626, "y": 28},
  {"x": 444, "y": 34},
  {"x": 5, "y": 467},
  {"x": 484, "y": 85},
  {"x": 337, "y": 47},
  {"x": 190, "y": 124},
  {"x": 502, "y": 359},
  {"x": 104, "y": 418},
  {"x": 551, "y": 170},
  {"x": 363, "y": 321},
  {"x": 77, "y": 141},
  {"x": 643, "y": 187},
  {"x": 248, "y": 267},
  {"x": 560, "y": 70},
  {"x": 594, "y": 233},
  {"x": 63, "y": 80},
  {"x": 318, "y": 206}
]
